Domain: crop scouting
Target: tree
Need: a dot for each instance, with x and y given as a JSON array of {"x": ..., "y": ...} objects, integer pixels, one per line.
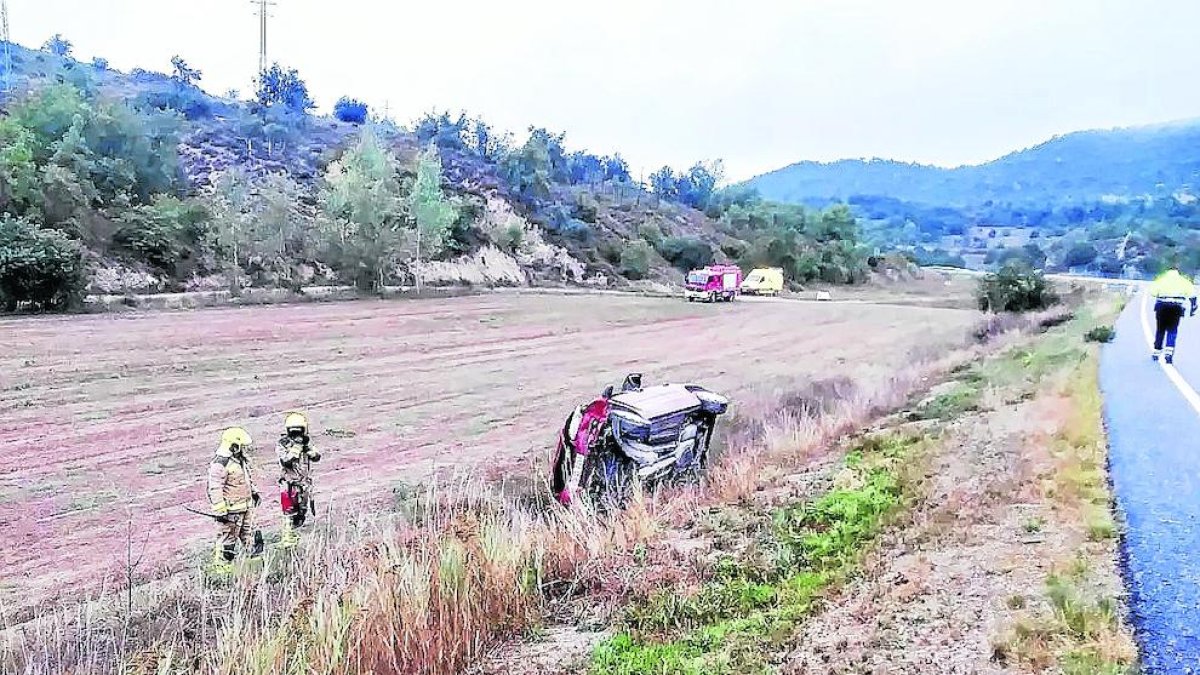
[
  {"x": 1034, "y": 254},
  {"x": 686, "y": 253},
  {"x": 530, "y": 171},
  {"x": 281, "y": 228},
  {"x": 1015, "y": 287},
  {"x": 696, "y": 187},
  {"x": 1079, "y": 255},
  {"x": 584, "y": 167},
  {"x": 487, "y": 143},
  {"x": 807, "y": 245},
  {"x": 162, "y": 234},
  {"x": 616, "y": 169},
  {"x": 276, "y": 86},
  {"x": 41, "y": 267},
  {"x": 183, "y": 75},
  {"x": 442, "y": 130},
  {"x": 433, "y": 214},
  {"x": 257, "y": 225},
  {"x": 664, "y": 183},
  {"x": 350, "y": 110},
  {"x": 635, "y": 260},
  {"x": 20, "y": 190},
  {"x": 232, "y": 218},
  {"x": 58, "y": 45},
  {"x": 364, "y": 212},
  {"x": 87, "y": 153}
]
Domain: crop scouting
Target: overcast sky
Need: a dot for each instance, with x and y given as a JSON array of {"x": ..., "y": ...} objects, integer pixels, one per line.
[{"x": 758, "y": 83}]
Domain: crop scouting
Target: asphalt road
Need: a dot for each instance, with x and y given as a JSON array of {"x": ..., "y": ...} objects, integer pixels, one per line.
[{"x": 1152, "y": 413}]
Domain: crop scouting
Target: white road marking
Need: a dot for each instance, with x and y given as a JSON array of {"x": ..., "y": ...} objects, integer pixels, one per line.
[{"x": 1173, "y": 375}]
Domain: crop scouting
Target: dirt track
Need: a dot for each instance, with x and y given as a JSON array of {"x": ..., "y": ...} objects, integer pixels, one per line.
[{"x": 106, "y": 416}]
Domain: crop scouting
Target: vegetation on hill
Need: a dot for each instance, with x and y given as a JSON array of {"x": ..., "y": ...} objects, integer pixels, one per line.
[
  {"x": 1078, "y": 168},
  {"x": 115, "y": 182},
  {"x": 1128, "y": 194}
]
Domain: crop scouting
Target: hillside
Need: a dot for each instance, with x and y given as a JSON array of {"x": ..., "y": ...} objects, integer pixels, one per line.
[
  {"x": 1082, "y": 167},
  {"x": 1114, "y": 202},
  {"x": 118, "y": 182}
]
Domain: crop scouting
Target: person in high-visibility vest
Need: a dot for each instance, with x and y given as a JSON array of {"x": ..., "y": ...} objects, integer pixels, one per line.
[{"x": 1172, "y": 293}]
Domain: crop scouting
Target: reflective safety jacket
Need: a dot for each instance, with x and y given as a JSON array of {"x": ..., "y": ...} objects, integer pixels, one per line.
[
  {"x": 230, "y": 483},
  {"x": 295, "y": 459},
  {"x": 1175, "y": 288}
]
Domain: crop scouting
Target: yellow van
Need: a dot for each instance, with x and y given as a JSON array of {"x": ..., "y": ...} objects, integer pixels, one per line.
[{"x": 763, "y": 281}]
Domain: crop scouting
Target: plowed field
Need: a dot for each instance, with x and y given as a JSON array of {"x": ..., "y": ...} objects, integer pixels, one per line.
[{"x": 111, "y": 419}]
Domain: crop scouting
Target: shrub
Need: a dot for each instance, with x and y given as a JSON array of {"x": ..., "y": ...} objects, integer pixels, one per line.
[
  {"x": 1100, "y": 334},
  {"x": 635, "y": 260},
  {"x": 651, "y": 233},
  {"x": 42, "y": 267},
  {"x": 586, "y": 208},
  {"x": 442, "y": 130},
  {"x": 735, "y": 248},
  {"x": 58, "y": 45},
  {"x": 161, "y": 234},
  {"x": 350, "y": 110},
  {"x": 277, "y": 86},
  {"x": 510, "y": 238},
  {"x": 610, "y": 251},
  {"x": 100, "y": 63},
  {"x": 1080, "y": 255},
  {"x": 1015, "y": 287},
  {"x": 686, "y": 253},
  {"x": 186, "y": 99},
  {"x": 577, "y": 230},
  {"x": 142, "y": 76},
  {"x": 182, "y": 73}
]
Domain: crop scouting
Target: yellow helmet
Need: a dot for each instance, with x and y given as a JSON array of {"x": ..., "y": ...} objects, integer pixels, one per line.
[
  {"x": 236, "y": 436},
  {"x": 295, "y": 420}
]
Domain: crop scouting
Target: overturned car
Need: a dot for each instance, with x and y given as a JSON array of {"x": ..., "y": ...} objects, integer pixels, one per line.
[{"x": 646, "y": 434}]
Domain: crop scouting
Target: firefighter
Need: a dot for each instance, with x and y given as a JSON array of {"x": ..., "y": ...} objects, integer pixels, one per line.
[
  {"x": 233, "y": 496},
  {"x": 1172, "y": 292},
  {"x": 296, "y": 457}
]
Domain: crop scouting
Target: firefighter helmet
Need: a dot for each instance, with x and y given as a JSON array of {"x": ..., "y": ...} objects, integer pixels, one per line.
[
  {"x": 296, "y": 420},
  {"x": 236, "y": 436}
]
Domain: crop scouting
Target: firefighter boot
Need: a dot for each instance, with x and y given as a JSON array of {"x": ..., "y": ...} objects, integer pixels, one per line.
[
  {"x": 221, "y": 564},
  {"x": 259, "y": 545},
  {"x": 287, "y": 534}
]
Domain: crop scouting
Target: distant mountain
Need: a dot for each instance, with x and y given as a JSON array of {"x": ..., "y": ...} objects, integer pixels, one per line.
[{"x": 1076, "y": 168}]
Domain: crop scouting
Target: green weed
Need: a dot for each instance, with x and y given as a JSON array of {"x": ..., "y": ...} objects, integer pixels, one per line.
[
  {"x": 1100, "y": 334},
  {"x": 749, "y": 604},
  {"x": 621, "y": 655},
  {"x": 948, "y": 405}
]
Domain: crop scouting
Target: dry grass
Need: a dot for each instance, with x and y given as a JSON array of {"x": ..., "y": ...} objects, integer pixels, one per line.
[
  {"x": 1078, "y": 626},
  {"x": 428, "y": 588}
]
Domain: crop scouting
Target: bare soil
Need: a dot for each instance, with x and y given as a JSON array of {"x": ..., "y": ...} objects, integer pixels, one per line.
[
  {"x": 107, "y": 422},
  {"x": 938, "y": 594}
]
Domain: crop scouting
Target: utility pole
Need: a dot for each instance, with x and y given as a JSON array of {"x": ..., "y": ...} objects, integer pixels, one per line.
[
  {"x": 262, "y": 33},
  {"x": 4, "y": 35}
]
